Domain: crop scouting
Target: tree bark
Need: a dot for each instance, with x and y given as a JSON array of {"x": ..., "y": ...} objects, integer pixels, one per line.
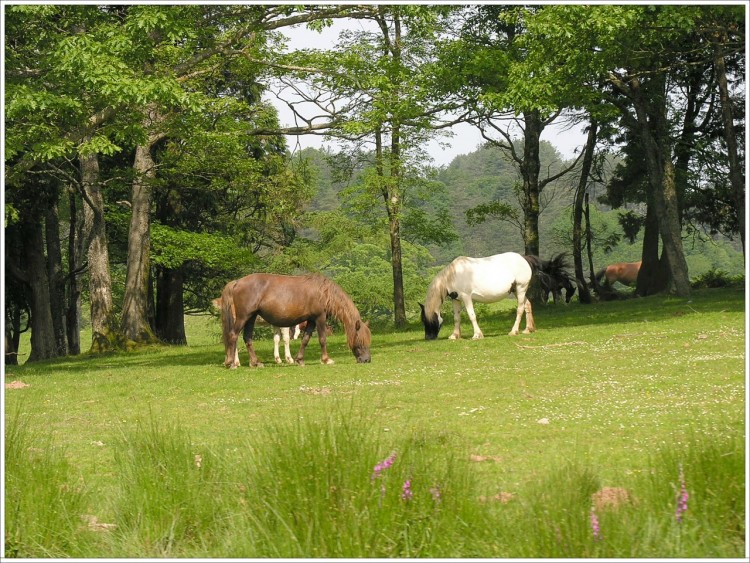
[
  {"x": 652, "y": 129},
  {"x": 56, "y": 278},
  {"x": 588, "y": 158},
  {"x": 170, "y": 318},
  {"x": 43, "y": 332},
  {"x": 736, "y": 176},
  {"x": 104, "y": 336},
  {"x": 530, "y": 175},
  {"x": 75, "y": 258},
  {"x": 135, "y": 325}
]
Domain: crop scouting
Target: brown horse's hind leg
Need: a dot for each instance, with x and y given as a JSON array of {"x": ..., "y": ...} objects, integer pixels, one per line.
[{"x": 249, "y": 327}]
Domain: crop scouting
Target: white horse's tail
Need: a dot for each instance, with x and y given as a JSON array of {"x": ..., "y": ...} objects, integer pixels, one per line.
[{"x": 539, "y": 268}]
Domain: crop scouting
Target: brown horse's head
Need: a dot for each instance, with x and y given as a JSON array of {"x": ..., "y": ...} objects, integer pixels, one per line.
[{"x": 360, "y": 342}]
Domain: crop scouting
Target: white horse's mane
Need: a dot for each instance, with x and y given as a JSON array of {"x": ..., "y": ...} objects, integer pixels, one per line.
[{"x": 437, "y": 290}]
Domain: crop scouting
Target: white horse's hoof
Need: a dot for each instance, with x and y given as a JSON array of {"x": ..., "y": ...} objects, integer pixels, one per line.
[
  {"x": 513, "y": 333},
  {"x": 277, "y": 360},
  {"x": 477, "y": 336},
  {"x": 327, "y": 362},
  {"x": 290, "y": 361},
  {"x": 454, "y": 337}
]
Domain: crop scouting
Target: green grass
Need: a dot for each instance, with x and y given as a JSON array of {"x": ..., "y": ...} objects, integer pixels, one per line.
[{"x": 629, "y": 391}]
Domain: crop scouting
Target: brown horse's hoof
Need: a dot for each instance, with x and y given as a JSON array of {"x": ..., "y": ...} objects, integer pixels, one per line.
[
  {"x": 257, "y": 365},
  {"x": 300, "y": 362},
  {"x": 327, "y": 361}
]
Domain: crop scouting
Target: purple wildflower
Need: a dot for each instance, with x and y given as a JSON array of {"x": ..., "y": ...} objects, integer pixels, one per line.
[
  {"x": 595, "y": 525},
  {"x": 682, "y": 498},
  {"x": 382, "y": 466},
  {"x": 407, "y": 494}
]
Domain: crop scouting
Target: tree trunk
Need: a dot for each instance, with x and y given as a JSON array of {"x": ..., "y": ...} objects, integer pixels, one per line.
[
  {"x": 170, "y": 318},
  {"x": 394, "y": 204},
  {"x": 103, "y": 335},
  {"x": 653, "y": 132},
  {"x": 56, "y": 278},
  {"x": 653, "y": 275},
  {"x": 588, "y": 158},
  {"x": 42, "y": 328},
  {"x": 530, "y": 175},
  {"x": 736, "y": 176},
  {"x": 135, "y": 325},
  {"x": 73, "y": 313}
]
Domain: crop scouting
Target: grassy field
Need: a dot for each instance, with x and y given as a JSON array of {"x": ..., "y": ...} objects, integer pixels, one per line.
[{"x": 616, "y": 396}]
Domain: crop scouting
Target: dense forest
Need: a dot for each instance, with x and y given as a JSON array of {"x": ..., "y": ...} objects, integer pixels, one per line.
[{"x": 145, "y": 168}]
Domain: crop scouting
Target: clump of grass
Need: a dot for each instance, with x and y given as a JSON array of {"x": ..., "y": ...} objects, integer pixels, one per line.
[
  {"x": 331, "y": 488},
  {"x": 172, "y": 499},
  {"x": 45, "y": 503}
]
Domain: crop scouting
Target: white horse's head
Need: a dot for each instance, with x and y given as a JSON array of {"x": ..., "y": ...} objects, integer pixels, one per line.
[{"x": 432, "y": 323}]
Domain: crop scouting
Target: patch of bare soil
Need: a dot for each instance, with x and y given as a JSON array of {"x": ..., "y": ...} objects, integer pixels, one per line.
[
  {"x": 611, "y": 497},
  {"x": 16, "y": 385}
]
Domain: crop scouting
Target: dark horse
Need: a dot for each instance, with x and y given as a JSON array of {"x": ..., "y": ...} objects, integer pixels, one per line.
[
  {"x": 557, "y": 279},
  {"x": 287, "y": 301}
]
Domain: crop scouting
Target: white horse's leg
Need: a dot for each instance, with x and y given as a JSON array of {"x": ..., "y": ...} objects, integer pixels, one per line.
[
  {"x": 276, "y": 338},
  {"x": 520, "y": 310},
  {"x": 468, "y": 303},
  {"x": 456, "y": 320},
  {"x": 285, "y": 334}
]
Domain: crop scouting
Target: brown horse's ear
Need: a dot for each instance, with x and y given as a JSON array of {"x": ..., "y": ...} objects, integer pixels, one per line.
[{"x": 367, "y": 324}]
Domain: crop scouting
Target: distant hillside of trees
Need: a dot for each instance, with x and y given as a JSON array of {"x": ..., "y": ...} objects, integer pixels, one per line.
[{"x": 486, "y": 175}]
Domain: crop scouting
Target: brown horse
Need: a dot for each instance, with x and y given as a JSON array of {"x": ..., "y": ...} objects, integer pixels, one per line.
[
  {"x": 624, "y": 272},
  {"x": 287, "y": 301}
]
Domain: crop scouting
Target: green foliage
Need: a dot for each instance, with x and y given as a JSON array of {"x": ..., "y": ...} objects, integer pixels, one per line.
[
  {"x": 174, "y": 248},
  {"x": 717, "y": 278}
]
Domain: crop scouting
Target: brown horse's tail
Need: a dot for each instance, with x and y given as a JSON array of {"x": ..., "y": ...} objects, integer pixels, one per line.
[{"x": 227, "y": 311}]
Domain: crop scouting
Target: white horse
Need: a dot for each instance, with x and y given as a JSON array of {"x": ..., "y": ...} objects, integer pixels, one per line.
[
  {"x": 485, "y": 280},
  {"x": 279, "y": 332}
]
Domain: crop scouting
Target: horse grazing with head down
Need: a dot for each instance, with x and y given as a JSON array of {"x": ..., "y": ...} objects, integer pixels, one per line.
[
  {"x": 488, "y": 280},
  {"x": 485, "y": 280},
  {"x": 557, "y": 279},
  {"x": 624, "y": 272},
  {"x": 287, "y": 301}
]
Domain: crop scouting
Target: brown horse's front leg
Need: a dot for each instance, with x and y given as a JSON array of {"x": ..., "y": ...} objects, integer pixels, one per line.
[
  {"x": 249, "y": 327},
  {"x": 300, "y": 359},
  {"x": 321, "y": 326}
]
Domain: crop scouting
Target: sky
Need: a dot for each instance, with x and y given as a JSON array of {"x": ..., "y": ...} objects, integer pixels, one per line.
[{"x": 465, "y": 139}]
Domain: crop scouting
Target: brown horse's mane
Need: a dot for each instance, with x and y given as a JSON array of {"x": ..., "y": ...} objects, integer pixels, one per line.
[{"x": 339, "y": 305}]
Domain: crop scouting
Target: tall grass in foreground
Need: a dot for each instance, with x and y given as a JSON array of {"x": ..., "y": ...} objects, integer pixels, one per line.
[
  {"x": 45, "y": 504},
  {"x": 333, "y": 487}
]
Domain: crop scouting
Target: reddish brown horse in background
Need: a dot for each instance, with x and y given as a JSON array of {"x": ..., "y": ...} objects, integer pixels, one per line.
[
  {"x": 624, "y": 272},
  {"x": 288, "y": 301}
]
